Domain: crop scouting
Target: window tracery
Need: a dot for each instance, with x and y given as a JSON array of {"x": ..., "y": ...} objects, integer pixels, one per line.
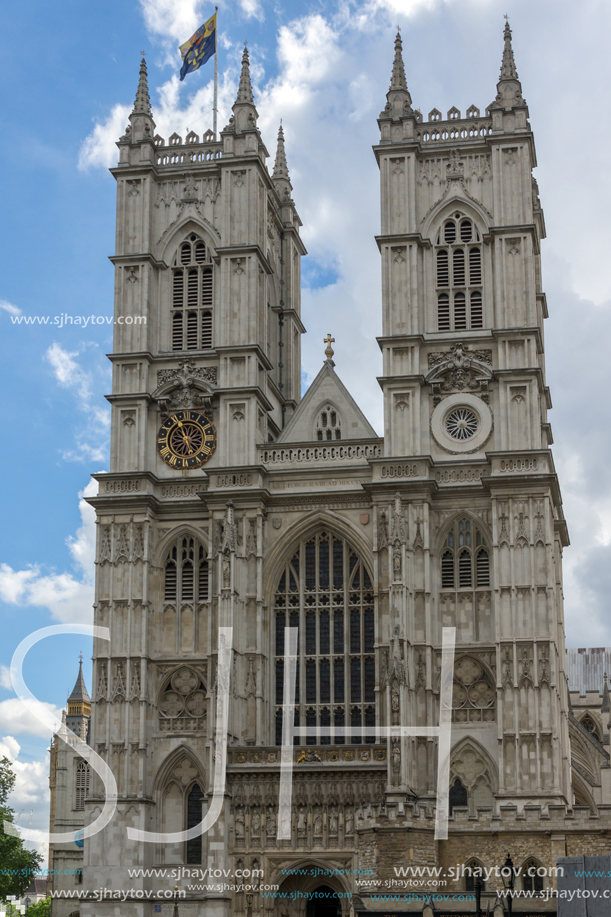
[
  {"x": 186, "y": 572},
  {"x": 531, "y": 880},
  {"x": 458, "y": 257},
  {"x": 182, "y": 702},
  {"x": 465, "y": 558},
  {"x": 326, "y": 592},
  {"x": 474, "y": 694},
  {"x": 328, "y": 424},
  {"x": 192, "y": 296}
]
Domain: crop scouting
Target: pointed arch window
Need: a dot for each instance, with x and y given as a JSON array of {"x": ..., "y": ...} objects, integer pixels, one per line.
[
  {"x": 532, "y": 876},
  {"x": 465, "y": 557},
  {"x": 473, "y": 871},
  {"x": 186, "y": 572},
  {"x": 192, "y": 296},
  {"x": 328, "y": 424},
  {"x": 458, "y": 261},
  {"x": 326, "y": 591},
  {"x": 81, "y": 785}
]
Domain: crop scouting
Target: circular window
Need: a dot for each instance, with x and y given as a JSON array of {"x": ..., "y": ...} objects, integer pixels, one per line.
[{"x": 462, "y": 424}]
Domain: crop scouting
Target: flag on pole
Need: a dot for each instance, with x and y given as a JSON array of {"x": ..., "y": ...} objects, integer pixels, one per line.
[{"x": 199, "y": 48}]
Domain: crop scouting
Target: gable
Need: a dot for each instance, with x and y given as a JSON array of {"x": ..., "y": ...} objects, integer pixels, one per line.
[{"x": 327, "y": 391}]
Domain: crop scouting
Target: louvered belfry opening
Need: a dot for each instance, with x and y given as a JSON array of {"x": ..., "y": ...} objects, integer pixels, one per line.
[
  {"x": 465, "y": 557},
  {"x": 326, "y": 591},
  {"x": 186, "y": 572},
  {"x": 192, "y": 297},
  {"x": 458, "y": 275},
  {"x": 82, "y": 785}
]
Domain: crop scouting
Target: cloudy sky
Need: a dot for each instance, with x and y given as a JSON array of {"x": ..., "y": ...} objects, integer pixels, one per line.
[{"x": 69, "y": 72}]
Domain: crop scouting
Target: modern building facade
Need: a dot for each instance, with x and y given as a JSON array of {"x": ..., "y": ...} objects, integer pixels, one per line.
[{"x": 233, "y": 502}]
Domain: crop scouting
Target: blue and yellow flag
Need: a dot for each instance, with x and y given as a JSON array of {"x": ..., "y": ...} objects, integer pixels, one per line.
[{"x": 199, "y": 48}]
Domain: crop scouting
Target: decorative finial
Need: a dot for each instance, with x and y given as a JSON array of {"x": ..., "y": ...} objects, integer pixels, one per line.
[
  {"x": 329, "y": 350},
  {"x": 506, "y": 16},
  {"x": 280, "y": 175},
  {"x": 80, "y": 659},
  {"x": 143, "y": 53}
]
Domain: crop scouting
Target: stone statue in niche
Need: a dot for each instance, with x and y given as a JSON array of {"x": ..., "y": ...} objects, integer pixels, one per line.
[
  {"x": 301, "y": 822},
  {"x": 239, "y": 822},
  {"x": 255, "y": 828},
  {"x": 271, "y": 822},
  {"x": 318, "y": 824}
]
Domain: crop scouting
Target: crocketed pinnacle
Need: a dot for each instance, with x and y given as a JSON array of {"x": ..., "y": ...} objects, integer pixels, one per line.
[
  {"x": 281, "y": 169},
  {"x": 508, "y": 66},
  {"x": 397, "y": 79},
  {"x": 142, "y": 105},
  {"x": 245, "y": 87}
]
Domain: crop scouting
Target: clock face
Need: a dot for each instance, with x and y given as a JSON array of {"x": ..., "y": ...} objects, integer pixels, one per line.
[{"x": 186, "y": 440}]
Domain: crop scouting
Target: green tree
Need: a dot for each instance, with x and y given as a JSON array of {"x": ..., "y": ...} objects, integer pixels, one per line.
[
  {"x": 18, "y": 866},
  {"x": 40, "y": 909}
]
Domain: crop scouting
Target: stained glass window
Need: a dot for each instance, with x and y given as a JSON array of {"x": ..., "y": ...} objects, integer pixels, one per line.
[{"x": 326, "y": 591}]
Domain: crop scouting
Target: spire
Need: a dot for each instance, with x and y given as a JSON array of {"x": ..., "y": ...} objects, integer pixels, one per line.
[
  {"x": 509, "y": 89},
  {"x": 280, "y": 176},
  {"x": 397, "y": 79},
  {"x": 244, "y": 116},
  {"x": 245, "y": 87},
  {"x": 398, "y": 99},
  {"x": 141, "y": 125},
  {"x": 508, "y": 67},
  {"x": 79, "y": 692},
  {"x": 142, "y": 105}
]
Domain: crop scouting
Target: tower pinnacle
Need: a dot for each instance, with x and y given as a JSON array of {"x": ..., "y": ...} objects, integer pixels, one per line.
[
  {"x": 142, "y": 104},
  {"x": 508, "y": 66},
  {"x": 509, "y": 89},
  {"x": 397, "y": 79},
  {"x": 244, "y": 112},
  {"x": 398, "y": 99},
  {"x": 245, "y": 87},
  {"x": 280, "y": 176},
  {"x": 141, "y": 125}
]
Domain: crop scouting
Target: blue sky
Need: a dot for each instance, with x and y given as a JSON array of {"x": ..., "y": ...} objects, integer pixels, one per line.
[{"x": 69, "y": 73}]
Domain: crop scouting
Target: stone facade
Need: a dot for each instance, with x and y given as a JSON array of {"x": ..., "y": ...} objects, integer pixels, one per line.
[
  {"x": 303, "y": 516},
  {"x": 69, "y": 778}
]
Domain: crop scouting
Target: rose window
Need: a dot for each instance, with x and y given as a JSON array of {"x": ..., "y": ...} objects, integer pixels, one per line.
[{"x": 461, "y": 424}]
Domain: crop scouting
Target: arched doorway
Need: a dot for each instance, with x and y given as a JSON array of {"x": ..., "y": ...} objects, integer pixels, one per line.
[{"x": 324, "y": 902}]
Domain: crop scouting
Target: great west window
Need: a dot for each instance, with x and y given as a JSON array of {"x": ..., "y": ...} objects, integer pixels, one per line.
[{"x": 326, "y": 591}]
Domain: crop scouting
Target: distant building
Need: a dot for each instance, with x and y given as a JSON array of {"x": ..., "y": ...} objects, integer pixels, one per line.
[{"x": 69, "y": 783}]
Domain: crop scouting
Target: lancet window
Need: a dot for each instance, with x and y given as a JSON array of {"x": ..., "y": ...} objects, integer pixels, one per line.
[
  {"x": 192, "y": 296},
  {"x": 458, "y": 275},
  {"x": 465, "y": 557},
  {"x": 325, "y": 590},
  {"x": 328, "y": 424},
  {"x": 81, "y": 785},
  {"x": 186, "y": 572}
]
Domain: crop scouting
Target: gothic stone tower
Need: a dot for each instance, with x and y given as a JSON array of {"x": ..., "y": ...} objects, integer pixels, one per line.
[
  {"x": 466, "y": 400},
  {"x": 285, "y": 512}
]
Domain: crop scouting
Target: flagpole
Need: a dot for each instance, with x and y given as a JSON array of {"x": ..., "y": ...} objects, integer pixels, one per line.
[{"x": 216, "y": 72}]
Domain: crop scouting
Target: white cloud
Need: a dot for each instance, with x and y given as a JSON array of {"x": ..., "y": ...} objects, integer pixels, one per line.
[
  {"x": 5, "y": 678},
  {"x": 68, "y": 597},
  {"x": 91, "y": 441},
  {"x": 30, "y": 795},
  {"x": 99, "y": 148},
  {"x": 16, "y": 718},
  {"x": 174, "y": 20},
  {"x": 9, "y": 307}
]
